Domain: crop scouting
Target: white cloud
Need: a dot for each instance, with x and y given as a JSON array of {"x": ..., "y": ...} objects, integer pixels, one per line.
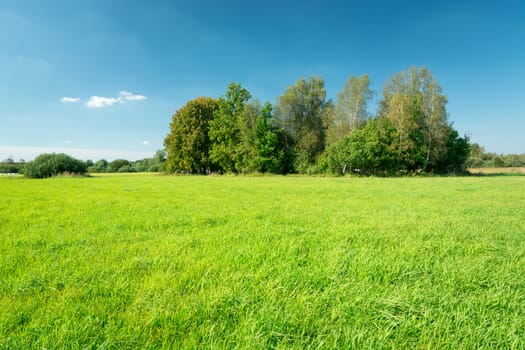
[
  {"x": 70, "y": 99},
  {"x": 146, "y": 142},
  {"x": 128, "y": 96},
  {"x": 99, "y": 102},
  {"x": 67, "y": 142}
]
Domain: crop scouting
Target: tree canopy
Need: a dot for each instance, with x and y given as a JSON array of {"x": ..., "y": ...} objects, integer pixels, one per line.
[
  {"x": 227, "y": 128},
  {"x": 351, "y": 107},
  {"x": 414, "y": 102},
  {"x": 188, "y": 143},
  {"x": 303, "y": 113}
]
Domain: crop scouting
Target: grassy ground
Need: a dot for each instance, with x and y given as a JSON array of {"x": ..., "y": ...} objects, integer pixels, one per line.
[
  {"x": 255, "y": 263},
  {"x": 495, "y": 171}
]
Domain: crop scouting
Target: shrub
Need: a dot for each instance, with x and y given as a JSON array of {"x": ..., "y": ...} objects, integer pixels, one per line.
[
  {"x": 126, "y": 169},
  {"x": 47, "y": 165},
  {"x": 10, "y": 168},
  {"x": 115, "y": 165}
]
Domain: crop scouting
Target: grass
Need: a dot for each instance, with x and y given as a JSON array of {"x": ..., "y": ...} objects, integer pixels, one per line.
[
  {"x": 498, "y": 171},
  {"x": 151, "y": 262}
]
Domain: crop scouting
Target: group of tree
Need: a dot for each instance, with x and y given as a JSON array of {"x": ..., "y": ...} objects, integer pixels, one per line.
[
  {"x": 53, "y": 164},
  {"x": 307, "y": 133},
  {"x": 231, "y": 134},
  {"x": 157, "y": 163},
  {"x": 479, "y": 158},
  {"x": 304, "y": 133},
  {"x": 9, "y": 166}
]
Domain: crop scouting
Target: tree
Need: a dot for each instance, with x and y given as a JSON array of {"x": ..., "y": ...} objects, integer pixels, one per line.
[
  {"x": 497, "y": 162},
  {"x": 269, "y": 149},
  {"x": 114, "y": 166},
  {"x": 225, "y": 128},
  {"x": 126, "y": 169},
  {"x": 512, "y": 160},
  {"x": 9, "y": 166},
  {"x": 414, "y": 102},
  {"x": 48, "y": 165},
  {"x": 302, "y": 111},
  {"x": 477, "y": 151},
  {"x": 245, "y": 151},
  {"x": 158, "y": 162},
  {"x": 351, "y": 107},
  {"x": 188, "y": 143},
  {"x": 141, "y": 165},
  {"x": 99, "y": 167},
  {"x": 154, "y": 164},
  {"x": 369, "y": 150},
  {"x": 458, "y": 149},
  {"x": 475, "y": 159},
  {"x": 406, "y": 116}
]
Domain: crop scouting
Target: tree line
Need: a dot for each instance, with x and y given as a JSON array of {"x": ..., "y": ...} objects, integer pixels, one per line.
[
  {"x": 52, "y": 164},
  {"x": 304, "y": 132},
  {"x": 153, "y": 164},
  {"x": 479, "y": 158},
  {"x": 9, "y": 166}
]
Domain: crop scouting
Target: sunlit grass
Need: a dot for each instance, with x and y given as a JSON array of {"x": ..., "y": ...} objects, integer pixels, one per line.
[
  {"x": 264, "y": 262},
  {"x": 495, "y": 171}
]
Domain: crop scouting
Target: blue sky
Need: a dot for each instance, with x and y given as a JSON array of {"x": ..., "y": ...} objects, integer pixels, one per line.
[{"x": 102, "y": 78}]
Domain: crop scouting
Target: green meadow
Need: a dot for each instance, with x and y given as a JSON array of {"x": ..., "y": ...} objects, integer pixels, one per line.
[{"x": 223, "y": 262}]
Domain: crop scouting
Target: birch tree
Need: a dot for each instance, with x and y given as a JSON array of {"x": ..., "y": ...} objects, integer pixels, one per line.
[
  {"x": 415, "y": 104},
  {"x": 302, "y": 112},
  {"x": 351, "y": 107}
]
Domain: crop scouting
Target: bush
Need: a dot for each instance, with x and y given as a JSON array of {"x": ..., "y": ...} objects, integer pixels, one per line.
[
  {"x": 365, "y": 151},
  {"x": 10, "y": 168},
  {"x": 47, "y": 165},
  {"x": 115, "y": 165},
  {"x": 126, "y": 169},
  {"x": 99, "y": 167}
]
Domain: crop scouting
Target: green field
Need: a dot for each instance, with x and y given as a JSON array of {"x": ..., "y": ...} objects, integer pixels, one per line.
[{"x": 148, "y": 261}]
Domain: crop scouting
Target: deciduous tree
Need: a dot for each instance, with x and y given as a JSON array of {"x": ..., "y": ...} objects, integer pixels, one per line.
[
  {"x": 271, "y": 154},
  {"x": 225, "y": 128},
  {"x": 351, "y": 107},
  {"x": 302, "y": 111},
  {"x": 188, "y": 143},
  {"x": 370, "y": 150},
  {"x": 414, "y": 102}
]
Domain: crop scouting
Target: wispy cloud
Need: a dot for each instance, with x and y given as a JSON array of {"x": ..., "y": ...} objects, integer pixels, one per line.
[
  {"x": 100, "y": 102},
  {"x": 128, "y": 96},
  {"x": 124, "y": 96},
  {"x": 70, "y": 99},
  {"x": 146, "y": 142}
]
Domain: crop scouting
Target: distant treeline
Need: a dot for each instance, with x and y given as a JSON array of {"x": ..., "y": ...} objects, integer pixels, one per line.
[
  {"x": 479, "y": 158},
  {"x": 9, "y": 166},
  {"x": 154, "y": 164},
  {"x": 307, "y": 133},
  {"x": 52, "y": 164}
]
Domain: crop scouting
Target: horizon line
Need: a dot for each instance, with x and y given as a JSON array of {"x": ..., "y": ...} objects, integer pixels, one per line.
[{"x": 29, "y": 153}]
